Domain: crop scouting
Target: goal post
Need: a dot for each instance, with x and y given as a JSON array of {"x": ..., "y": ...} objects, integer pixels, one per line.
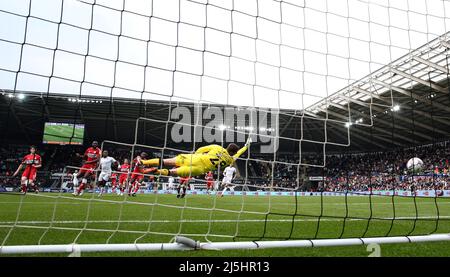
[{"x": 183, "y": 246}]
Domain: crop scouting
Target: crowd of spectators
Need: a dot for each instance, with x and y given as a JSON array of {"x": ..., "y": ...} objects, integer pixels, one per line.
[
  {"x": 387, "y": 170},
  {"x": 348, "y": 171},
  {"x": 359, "y": 171}
]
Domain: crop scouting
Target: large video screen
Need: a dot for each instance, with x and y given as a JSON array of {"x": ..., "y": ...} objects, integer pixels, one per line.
[{"x": 63, "y": 133}]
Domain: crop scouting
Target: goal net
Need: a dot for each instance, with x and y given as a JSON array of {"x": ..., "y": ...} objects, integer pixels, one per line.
[{"x": 340, "y": 110}]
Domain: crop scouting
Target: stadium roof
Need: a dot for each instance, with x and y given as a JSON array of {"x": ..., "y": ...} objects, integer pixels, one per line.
[
  {"x": 404, "y": 103},
  {"x": 115, "y": 119}
]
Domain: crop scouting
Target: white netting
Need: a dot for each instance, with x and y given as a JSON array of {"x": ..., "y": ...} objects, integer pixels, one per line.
[{"x": 295, "y": 76}]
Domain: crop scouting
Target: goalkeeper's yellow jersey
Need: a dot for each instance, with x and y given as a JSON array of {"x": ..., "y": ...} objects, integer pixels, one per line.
[
  {"x": 213, "y": 155},
  {"x": 205, "y": 159}
]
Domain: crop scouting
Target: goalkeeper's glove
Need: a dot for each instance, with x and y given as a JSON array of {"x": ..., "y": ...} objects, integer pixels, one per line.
[{"x": 249, "y": 141}]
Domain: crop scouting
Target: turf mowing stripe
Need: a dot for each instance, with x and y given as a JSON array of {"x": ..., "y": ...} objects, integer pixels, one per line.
[
  {"x": 214, "y": 221},
  {"x": 113, "y": 231}
]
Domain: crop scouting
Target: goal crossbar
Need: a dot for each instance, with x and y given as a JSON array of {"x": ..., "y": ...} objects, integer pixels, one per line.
[{"x": 183, "y": 245}]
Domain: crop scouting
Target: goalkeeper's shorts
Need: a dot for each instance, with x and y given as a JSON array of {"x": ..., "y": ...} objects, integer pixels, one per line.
[{"x": 193, "y": 164}]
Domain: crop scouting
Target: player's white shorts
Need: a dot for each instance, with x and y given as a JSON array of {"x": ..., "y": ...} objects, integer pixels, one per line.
[
  {"x": 104, "y": 176},
  {"x": 226, "y": 181}
]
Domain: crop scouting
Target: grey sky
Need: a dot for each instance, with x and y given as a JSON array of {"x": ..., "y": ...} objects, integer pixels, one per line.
[{"x": 238, "y": 59}]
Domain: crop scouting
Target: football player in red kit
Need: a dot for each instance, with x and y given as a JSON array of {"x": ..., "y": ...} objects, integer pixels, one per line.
[
  {"x": 123, "y": 178},
  {"x": 184, "y": 183},
  {"x": 114, "y": 182},
  {"x": 138, "y": 174},
  {"x": 31, "y": 162},
  {"x": 209, "y": 182},
  {"x": 91, "y": 157}
]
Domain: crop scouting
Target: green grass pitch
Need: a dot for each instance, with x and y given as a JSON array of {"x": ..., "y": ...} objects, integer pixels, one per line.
[
  {"x": 50, "y": 218},
  {"x": 63, "y": 134}
]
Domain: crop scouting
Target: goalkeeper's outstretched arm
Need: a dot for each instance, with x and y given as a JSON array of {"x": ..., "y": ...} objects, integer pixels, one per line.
[{"x": 243, "y": 149}]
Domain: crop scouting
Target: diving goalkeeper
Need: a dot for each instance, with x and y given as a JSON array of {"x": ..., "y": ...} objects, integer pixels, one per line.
[{"x": 206, "y": 158}]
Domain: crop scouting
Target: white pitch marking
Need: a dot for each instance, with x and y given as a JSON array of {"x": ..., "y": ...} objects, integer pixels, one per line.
[{"x": 213, "y": 221}]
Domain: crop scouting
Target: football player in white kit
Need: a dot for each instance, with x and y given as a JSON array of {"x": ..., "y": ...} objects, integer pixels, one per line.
[
  {"x": 228, "y": 174},
  {"x": 74, "y": 186},
  {"x": 105, "y": 166},
  {"x": 171, "y": 185}
]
